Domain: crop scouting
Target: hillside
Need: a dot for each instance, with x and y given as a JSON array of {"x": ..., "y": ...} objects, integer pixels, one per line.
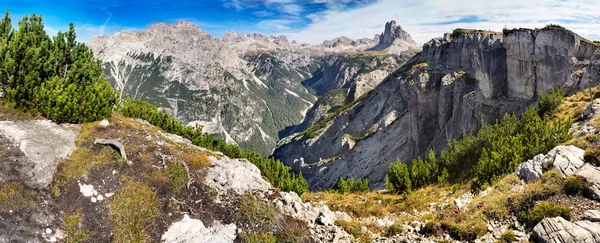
[{"x": 456, "y": 85}]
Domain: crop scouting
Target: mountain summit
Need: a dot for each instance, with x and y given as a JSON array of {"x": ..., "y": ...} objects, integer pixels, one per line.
[{"x": 394, "y": 39}]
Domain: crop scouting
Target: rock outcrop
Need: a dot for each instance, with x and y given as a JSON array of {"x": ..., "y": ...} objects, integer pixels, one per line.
[
  {"x": 34, "y": 149},
  {"x": 193, "y": 230},
  {"x": 457, "y": 84},
  {"x": 394, "y": 40},
  {"x": 560, "y": 230}
]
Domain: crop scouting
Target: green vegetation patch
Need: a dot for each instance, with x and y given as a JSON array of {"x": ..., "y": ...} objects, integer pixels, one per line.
[
  {"x": 132, "y": 210},
  {"x": 15, "y": 197},
  {"x": 178, "y": 177},
  {"x": 350, "y": 185},
  {"x": 546, "y": 209},
  {"x": 74, "y": 233},
  {"x": 77, "y": 166}
]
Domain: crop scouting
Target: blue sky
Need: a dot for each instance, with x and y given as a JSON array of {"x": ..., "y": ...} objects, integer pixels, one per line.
[{"x": 312, "y": 20}]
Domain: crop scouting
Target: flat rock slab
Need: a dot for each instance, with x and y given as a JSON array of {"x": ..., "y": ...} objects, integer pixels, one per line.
[{"x": 43, "y": 144}]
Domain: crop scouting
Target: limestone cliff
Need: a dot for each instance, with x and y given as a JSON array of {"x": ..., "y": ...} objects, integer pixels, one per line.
[{"x": 457, "y": 84}]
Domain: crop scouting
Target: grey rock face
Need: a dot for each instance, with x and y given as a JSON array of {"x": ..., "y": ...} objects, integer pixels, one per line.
[
  {"x": 592, "y": 176},
  {"x": 533, "y": 169},
  {"x": 560, "y": 230},
  {"x": 455, "y": 85},
  {"x": 568, "y": 159},
  {"x": 43, "y": 145}
]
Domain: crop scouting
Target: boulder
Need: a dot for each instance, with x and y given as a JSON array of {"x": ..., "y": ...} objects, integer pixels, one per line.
[
  {"x": 560, "y": 230},
  {"x": 592, "y": 176},
  {"x": 533, "y": 169},
  {"x": 568, "y": 159},
  {"x": 234, "y": 175},
  {"x": 193, "y": 230}
]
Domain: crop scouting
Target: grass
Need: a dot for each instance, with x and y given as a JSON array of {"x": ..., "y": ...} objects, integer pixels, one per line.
[
  {"x": 548, "y": 210},
  {"x": 194, "y": 158},
  {"x": 131, "y": 211},
  {"x": 355, "y": 229},
  {"x": 463, "y": 32},
  {"x": 77, "y": 166},
  {"x": 178, "y": 177},
  {"x": 259, "y": 238},
  {"x": 257, "y": 214},
  {"x": 14, "y": 197},
  {"x": 72, "y": 228}
]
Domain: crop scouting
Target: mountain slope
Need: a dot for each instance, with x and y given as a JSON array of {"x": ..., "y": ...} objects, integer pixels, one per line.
[
  {"x": 243, "y": 87},
  {"x": 457, "y": 84}
]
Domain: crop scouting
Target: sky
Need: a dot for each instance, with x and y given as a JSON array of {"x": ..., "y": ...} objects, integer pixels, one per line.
[{"x": 311, "y": 21}]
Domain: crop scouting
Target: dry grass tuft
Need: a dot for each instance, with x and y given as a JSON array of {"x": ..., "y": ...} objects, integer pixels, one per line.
[{"x": 132, "y": 210}]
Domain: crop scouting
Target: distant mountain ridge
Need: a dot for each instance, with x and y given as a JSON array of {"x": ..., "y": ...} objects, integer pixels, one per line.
[{"x": 243, "y": 87}]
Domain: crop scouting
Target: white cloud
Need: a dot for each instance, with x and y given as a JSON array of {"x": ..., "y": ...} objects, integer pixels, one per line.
[{"x": 423, "y": 19}]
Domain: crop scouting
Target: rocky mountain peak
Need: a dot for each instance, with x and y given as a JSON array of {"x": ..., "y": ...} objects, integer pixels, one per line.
[{"x": 394, "y": 39}]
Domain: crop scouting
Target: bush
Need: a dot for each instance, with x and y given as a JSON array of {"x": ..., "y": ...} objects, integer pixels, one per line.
[
  {"x": 58, "y": 77},
  {"x": 419, "y": 173},
  {"x": 546, "y": 209},
  {"x": 398, "y": 178},
  {"x": 574, "y": 185},
  {"x": 554, "y": 26},
  {"x": 350, "y": 185},
  {"x": 178, "y": 177},
  {"x": 548, "y": 102},
  {"x": 507, "y": 237},
  {"x": 258, "y": 215}
]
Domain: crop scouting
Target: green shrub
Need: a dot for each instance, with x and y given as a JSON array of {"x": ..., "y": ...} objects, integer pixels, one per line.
[
  {"x": 350, "y": 185},
  {"x": 398, "y": 178},
  {"x": 419, "y": 173},
  {"x": 548, "y": 102},
  {"x": 574, "y": 185},
  {"x": 546, "y": 209},
  {"x": 258, "y": 215},
  {"x": 507, "y": 237},
  {"x": 58, "y": 77}
]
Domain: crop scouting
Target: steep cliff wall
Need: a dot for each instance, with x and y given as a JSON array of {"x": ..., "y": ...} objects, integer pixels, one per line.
[{"x": 455, "y": 85}]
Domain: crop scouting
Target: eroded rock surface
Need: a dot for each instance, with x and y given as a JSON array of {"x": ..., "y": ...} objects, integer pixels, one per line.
[
  {"x": 193, "y": 230},
  {"x": 560, "y": 230},
  {"x": 43, "y": 145}
]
